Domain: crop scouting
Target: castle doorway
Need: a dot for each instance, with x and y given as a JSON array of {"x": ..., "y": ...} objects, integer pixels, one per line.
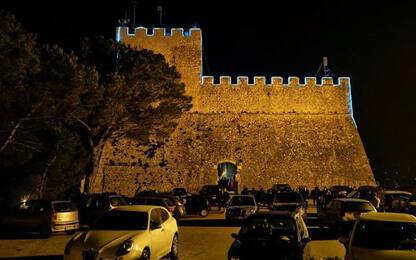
[{"x": 226, "y": 175}]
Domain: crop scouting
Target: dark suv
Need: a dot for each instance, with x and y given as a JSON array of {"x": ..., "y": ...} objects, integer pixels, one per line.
[{"x": 270, "y": 235}]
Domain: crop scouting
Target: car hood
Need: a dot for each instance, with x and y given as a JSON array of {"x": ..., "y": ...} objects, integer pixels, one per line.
[
  {"x": 364, "y": 253},
  {"x": 98, "y": 239}
]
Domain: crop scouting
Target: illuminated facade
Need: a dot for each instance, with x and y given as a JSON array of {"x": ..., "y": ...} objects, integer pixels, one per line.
[{"x": 282, "y": 131}]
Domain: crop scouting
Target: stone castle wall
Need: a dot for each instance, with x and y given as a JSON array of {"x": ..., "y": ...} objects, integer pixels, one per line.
[{"x": 283, "y": 131}]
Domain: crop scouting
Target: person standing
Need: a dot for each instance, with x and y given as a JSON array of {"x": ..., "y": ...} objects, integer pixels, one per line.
[{"x": 237, "y": 185}]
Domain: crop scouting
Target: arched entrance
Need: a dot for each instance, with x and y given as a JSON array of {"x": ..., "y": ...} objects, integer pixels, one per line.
[{"x": 226, "y": 175}]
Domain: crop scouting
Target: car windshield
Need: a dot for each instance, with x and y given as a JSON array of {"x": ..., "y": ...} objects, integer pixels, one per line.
[
  {"x": 242, "y": 201},
  {"x": 121, "y": 220},
  {"x": 265, "y": 226},
  {"x": 288, "y": 198},
  {"x": 118, "y": 201},
  {"x": 64, "y": 206},
  {"x": 385, "y": 235},
  {"x": 179, "y": 191},
  {"x": 170, "y": 202},
  {"x": 357, "y": 206}
]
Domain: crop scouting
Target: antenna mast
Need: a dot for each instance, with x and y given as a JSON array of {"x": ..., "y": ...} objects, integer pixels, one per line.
[{"x": 160, "y": 11}]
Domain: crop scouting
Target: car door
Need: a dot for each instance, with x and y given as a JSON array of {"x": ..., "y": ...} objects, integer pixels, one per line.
[
  {"x": 156, "y": 234},
  {"x": 168, "y": 227}
]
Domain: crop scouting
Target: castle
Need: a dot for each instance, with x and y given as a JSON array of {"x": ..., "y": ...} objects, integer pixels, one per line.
[{"x": 277, "y": 131}]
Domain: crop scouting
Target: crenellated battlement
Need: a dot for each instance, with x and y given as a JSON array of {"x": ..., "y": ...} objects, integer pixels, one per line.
[
  {"x": 273, "y": 96},
  {"x": 122, "y": 33},
  {"x": 274, "y": 82}
]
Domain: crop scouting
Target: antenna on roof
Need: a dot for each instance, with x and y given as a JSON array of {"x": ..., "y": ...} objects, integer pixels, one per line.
[{"x": 160, "y": 10}]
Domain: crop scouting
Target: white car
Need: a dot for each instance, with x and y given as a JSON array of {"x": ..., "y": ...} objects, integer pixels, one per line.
[
  {"x": 382, "y": 236},
  {"x": 127, "y": 232}
]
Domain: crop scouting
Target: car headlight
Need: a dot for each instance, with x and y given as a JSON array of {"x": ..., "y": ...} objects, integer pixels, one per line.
[
  {"x": 126, "y": 247},
  {"x": 251, "y": 211},
  {"x": 234, "y": 258}
]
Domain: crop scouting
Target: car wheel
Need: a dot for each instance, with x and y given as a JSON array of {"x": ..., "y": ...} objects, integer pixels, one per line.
[
  {"x": 174, "y": 248},
  {"x": 203, "y": 213},
  {"x": 145, "y": 254}
]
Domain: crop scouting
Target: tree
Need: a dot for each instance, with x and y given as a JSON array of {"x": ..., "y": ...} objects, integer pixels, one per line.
[
  {"x": 41, "y": 91},
  {"x": 139, "y": 95}
]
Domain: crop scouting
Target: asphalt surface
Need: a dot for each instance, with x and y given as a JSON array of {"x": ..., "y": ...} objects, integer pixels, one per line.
[{"x": 200, "y": 238}]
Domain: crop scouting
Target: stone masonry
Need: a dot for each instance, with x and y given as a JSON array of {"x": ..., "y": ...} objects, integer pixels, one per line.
[{"x": 300, "y": 133}]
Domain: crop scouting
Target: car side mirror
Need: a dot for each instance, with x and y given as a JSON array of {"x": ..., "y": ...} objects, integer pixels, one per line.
[
  {"x": 234, "y": 235},
  {"x": 154, "y": 225},
  {"x": 344, "y": 240}
]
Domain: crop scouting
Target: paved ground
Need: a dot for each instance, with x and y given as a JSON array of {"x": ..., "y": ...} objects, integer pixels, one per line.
[{"x": 200, "y": 238}]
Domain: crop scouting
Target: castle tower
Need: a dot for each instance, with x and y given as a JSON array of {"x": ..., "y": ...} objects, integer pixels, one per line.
[
  {"x": 300, "y": 132},
  {"x": 182, "y": 49}
]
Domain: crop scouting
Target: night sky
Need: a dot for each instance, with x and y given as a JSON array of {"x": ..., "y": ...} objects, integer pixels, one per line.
[{"x": 374, "y": 44}]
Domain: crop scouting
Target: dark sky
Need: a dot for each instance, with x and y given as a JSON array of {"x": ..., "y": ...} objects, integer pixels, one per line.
[{"x": 373, "y": 43}]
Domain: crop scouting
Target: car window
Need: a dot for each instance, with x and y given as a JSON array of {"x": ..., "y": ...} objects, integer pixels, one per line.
[
  {"x": 261, "y": 226},
  {"x": 242, "y": 201},
  {"x": 358, "y": 206},
  {"x": 155, "y": 217},
  {"x": 164, "y": 215},
  {"x": 102, "y": 202},
  {"x": 385, "y": 235},
  {"x": 64, "y": 206},
  {"x": 117, "y": 201}
]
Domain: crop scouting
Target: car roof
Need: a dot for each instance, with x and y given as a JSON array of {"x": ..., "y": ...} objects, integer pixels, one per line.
[
  {"x": 397, "y": 192},
  {"x": 140, "y": 208},
  {"x": 351, "y": 200},
  {"x": 240, "y": 195},
  {"x": 390, "y": 217},
  {"x": 61, "y": 201}
]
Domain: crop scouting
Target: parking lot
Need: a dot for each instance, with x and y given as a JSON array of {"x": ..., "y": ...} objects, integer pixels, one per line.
[{"x": 200, "y": 238}]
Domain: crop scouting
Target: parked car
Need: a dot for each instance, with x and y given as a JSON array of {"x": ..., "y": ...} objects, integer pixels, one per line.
[
  {"x": 210, "y": 192},
  {"x": 240, "y": 207},
  {"x": 182, "y": 193},
  {"x": 290, "y": 201},
  {"x": 341, "y": 213},
  {"x": 270, "y": 235},
  {"x": 157, "y": 201},
  {"x": 382, "y": 236},
  {"x": 127, "y": 232},
  {"x": 323, "y": 202},
  {"x": 179, "y": 210},
  {"x": 389, "y": 197},
  {"x": 282, "y": 187},
  {"x": 98, "y": 204},
  {"x": 42, "y": 216},
  {"x": 197, "y": 204},
  {"x": 340, "y": 189}
]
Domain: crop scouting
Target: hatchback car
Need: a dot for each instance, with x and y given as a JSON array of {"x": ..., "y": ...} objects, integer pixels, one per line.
[
  {"x": 127, "y": 232},
  {"x": 42, "y": 216},
  {"x": 382, "y": 236},
  {"x": 270, "y": 235},
  {"x": 341, "y": 213},
  {"x": 240, "y": 207}
]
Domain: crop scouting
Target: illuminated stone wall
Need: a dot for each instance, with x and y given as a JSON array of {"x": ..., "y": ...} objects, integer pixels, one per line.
[{"x": 283, "y": 131}]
